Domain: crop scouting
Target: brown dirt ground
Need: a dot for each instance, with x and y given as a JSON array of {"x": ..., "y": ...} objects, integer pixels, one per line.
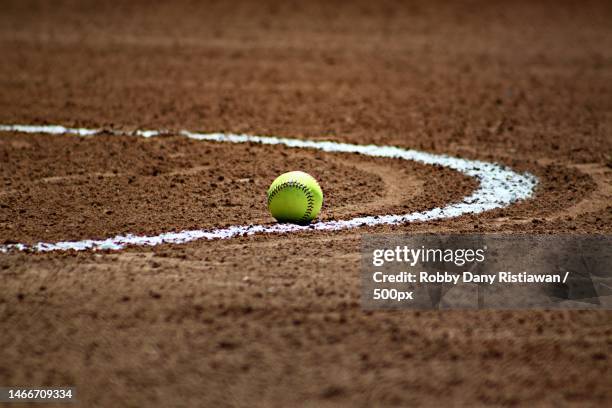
[{"x": 276, "y": 320}]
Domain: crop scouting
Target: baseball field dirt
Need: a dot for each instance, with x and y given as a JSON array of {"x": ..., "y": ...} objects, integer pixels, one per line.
[{"x": 269, "y": 319}]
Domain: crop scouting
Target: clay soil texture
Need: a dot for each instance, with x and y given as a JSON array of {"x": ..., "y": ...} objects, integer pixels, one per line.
[{"x": 275, "y": 320}]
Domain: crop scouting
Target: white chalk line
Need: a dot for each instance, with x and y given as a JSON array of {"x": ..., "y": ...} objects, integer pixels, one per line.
[{"x": 499, "y": 187}]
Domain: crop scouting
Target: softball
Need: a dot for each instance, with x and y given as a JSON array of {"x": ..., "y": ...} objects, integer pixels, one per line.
[{"x": 295, "y": 197}]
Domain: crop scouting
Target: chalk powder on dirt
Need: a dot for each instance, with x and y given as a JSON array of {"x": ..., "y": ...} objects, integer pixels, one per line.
[{"x": 499, "y": 187}]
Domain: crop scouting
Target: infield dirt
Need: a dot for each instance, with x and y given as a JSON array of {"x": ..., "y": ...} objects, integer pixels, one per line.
[{"x": 274, "y": 320}]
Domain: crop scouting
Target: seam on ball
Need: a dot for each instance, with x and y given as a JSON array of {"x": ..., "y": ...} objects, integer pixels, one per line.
[{"x": 299, "y": 186}]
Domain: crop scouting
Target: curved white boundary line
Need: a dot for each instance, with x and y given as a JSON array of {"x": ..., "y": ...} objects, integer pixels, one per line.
[{"x": 499, "y": 187}]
